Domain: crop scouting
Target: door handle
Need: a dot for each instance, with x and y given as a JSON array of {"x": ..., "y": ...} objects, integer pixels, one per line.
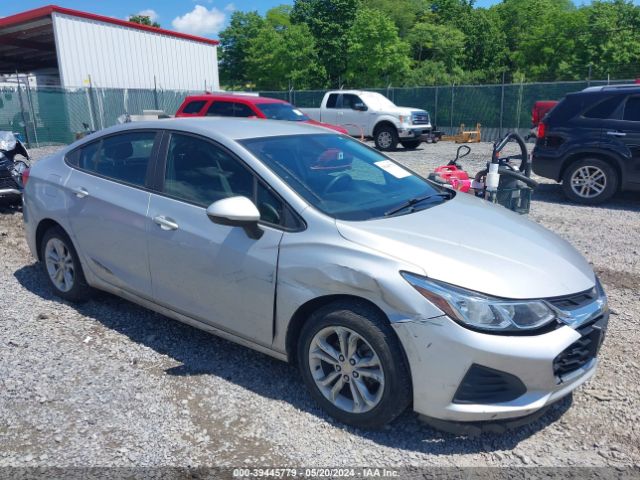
[
  {"x": 165, "y": 223},
  {"x": 80, "y": 192},
  {"x": 616, "y": 134}
]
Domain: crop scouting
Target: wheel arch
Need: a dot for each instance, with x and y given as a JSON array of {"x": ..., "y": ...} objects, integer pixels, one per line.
[
  {"x": 303, "y": 313},
  {"x": 612, "y": 160},
  {"x": 43, "y": 226},
  {"x": 383, "y": 123}
]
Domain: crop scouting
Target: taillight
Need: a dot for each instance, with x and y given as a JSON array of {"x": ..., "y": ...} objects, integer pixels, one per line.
[
  {"x": 542, "y": 130},
  {"x": 25, "y": 177}
]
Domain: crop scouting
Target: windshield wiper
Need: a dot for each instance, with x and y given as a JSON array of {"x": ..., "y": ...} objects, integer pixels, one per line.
[{"x": 414, "y": 201}]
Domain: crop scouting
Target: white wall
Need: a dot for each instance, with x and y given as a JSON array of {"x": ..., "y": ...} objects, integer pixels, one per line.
[{"x": 119, "y": 57}]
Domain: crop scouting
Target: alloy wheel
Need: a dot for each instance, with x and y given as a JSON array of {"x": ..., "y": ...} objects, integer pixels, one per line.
[
  {"x": 588, "y": 181},
  {"x": 385, "y": 139},
  {"x": 60, "y": 266},
  {"x": 346, "y": 369}
]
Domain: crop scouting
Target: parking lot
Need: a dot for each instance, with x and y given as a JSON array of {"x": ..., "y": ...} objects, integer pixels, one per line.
[{"x": 110, "y": 383}]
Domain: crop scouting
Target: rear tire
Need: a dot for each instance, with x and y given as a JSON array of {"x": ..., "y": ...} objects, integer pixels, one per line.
[
  {"x": 386, "y": 138},
  {"x": 590, "y": 181},
  {"x": 411, "y": 145},
  {"x": 368, "y": 396},
  {"x": 62, "y": 267}
]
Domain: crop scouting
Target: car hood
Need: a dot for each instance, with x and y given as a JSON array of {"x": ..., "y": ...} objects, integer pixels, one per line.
[
  {"x": 326, "y": 125},
  {"x": 479, "y": 246}
]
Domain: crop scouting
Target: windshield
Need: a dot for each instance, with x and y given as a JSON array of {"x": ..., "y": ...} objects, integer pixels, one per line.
[
  {"x": 282, "y": 111},
  {"x": 344, "y": 178},
  {"x": 377, "y": 101}
]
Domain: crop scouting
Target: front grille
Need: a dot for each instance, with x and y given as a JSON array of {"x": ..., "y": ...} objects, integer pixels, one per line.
[
  {"x": 577, "y": 300},
  {"x": 7, "y": 182},
  {"x": 583, "y": 350},
  {"x": 420, "y": 118},
  {"x": 484, "y": 385}
]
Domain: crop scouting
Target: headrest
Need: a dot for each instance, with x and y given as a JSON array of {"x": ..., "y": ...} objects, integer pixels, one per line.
[{"x": 119, "y": 151}]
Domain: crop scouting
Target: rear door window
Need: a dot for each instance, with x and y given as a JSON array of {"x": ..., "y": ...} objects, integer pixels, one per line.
[
  {"x": 332, "y": 101},
  {"x": 124, "y": 157},
  {"x": 220, "y": 109},
  {"x": 242, "y": 110},
  {"x": 193, "y": 107},
  {"x": 632, "y": 109}
]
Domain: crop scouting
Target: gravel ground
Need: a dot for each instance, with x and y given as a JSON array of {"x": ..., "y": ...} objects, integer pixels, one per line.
[{"x": 108, "y": 383}]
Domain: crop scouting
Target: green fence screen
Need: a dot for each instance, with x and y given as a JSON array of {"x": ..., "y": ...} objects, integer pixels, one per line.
[{"x": 49, "y": 115}]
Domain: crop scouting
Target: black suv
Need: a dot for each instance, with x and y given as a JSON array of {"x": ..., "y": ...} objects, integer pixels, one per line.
[{"x": 591, "y": 143}]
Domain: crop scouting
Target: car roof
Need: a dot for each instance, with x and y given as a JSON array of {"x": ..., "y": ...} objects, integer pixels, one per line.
[
  {"x": 221, "y": 127},
  {"x": 354, "y": 92},
  {"x": 622, "y": 88},
  {"x": 254, "y": 99}
]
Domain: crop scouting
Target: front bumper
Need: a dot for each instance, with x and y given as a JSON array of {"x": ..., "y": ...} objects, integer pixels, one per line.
[
  {"x": 441, "y": 353},
  {"x": 415, "y": 133}
]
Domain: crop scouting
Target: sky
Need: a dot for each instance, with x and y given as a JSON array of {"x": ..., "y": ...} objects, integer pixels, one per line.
[{"x": 198, "y": 17}]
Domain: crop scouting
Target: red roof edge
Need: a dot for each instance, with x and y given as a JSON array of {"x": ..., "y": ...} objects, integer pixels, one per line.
[{"x": 46, "y": 11}]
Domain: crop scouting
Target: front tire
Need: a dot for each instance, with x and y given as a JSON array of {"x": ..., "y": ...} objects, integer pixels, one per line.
[
  {"x": 590, "y": 181},
  {"x": 386, "y": 138},
  {"x": 353, "y": 365},
  {"x": 411, "y": 145},
  {"x": 62, "y": 267}
]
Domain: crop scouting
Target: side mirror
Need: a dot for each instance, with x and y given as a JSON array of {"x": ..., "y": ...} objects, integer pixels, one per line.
[
  {"x": 236, "y": 212},
  {"x": 361, "y": 107}
]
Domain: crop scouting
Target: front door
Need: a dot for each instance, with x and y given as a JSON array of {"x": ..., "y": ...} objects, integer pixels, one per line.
[
  {"x": 213, "y": 273},
  {"x": 107, "y": 208}
]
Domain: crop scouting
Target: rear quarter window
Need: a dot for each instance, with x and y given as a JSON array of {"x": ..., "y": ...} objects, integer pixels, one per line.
[
  {"x": 193, "y": 107},
  {"x": 604, "y": 108}
]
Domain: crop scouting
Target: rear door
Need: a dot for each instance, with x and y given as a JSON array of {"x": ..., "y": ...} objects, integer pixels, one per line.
[
  {"x": 623, "y": 132},
  {"x": 213, "y": 273},
  {"x": 329, "y": 114},
  {"x": 108, "y": 201}
]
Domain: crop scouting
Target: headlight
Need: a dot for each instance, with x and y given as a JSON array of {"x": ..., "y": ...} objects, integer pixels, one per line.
[
  {"x": 7, "y": 141},
  {"x": 480, "y": 311},
  {"x": 406, "y": 119}
]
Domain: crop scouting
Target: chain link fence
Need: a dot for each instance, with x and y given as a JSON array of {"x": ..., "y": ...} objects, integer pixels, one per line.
[{"x": 48, "y": 115}]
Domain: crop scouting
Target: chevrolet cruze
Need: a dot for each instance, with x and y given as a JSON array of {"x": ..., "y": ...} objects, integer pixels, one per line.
[{"x": 387, "y": 290}]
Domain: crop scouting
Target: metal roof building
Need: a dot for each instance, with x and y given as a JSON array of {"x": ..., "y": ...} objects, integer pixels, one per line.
[{"x": 72, "y": 48}]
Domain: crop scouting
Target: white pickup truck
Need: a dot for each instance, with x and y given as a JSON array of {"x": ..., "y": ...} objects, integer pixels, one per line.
[{"x": 372, "y": 115}]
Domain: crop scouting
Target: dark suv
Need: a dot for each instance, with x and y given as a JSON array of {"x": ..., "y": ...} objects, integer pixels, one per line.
[{"x": 591, "y": 143}]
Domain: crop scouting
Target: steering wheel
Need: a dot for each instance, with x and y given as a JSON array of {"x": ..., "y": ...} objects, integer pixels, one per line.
[
  {"x": 269, "y": 213},
  {"x": 343, "y": 177}
]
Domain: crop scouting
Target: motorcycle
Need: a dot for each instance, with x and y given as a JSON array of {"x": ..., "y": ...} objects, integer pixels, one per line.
[{"x": 14, "y": 166}]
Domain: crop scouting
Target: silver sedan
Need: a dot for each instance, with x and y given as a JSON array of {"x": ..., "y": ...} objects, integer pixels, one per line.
[{"x": 386, "y": 290}]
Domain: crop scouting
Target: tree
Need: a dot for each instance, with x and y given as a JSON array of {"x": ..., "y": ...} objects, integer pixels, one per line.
[
  {"x": 279, "y": 17},
  {"x": 284, "y": 57},
  {"x": 485, "y": 49},
  {"x": 404, "y": 13},
  {"x": 440, "y": 43},
  {"x": 376, "y": 56},
  {"x": 610, "y": 41},
  {"x": 143, "y": 20},
  {"x": 235, "y": 42},
  {"x": 540, "y": 37},
  {"x": 329, "y": 21}
]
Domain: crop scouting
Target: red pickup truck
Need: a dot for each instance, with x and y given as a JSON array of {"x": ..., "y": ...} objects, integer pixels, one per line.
[{"x": 227, "y": 105}]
